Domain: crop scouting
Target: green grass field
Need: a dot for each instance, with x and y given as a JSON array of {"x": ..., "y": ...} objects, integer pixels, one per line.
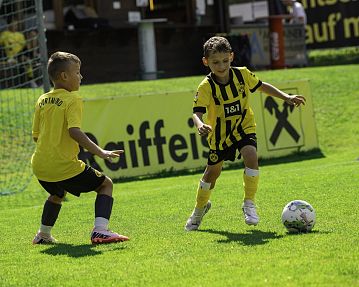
[{"x": 225, "y": 252}]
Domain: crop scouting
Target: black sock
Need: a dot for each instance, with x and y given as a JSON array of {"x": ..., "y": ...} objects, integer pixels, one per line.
[
  {"x": 103, "y": 206},
  {"x": 50, "y": 213}
]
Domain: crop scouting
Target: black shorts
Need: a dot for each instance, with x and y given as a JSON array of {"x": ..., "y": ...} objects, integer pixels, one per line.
[
  {"x": 216, "y": 156},
  {"x": 88, "y": 180}
]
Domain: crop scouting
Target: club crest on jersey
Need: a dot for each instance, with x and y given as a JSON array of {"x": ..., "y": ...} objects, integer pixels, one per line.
[
  {"x": 213, "y": 157},
  {"x": 240, "y": 87}
]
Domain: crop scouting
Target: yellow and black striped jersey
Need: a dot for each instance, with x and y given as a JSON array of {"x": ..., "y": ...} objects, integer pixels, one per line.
[{"x": 227, "y": 106}]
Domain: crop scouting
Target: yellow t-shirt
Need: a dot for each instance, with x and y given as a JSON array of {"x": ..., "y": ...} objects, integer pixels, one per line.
[
  {"x": 227, "y": 107},
  {"x": 13, "y": 42},
  {"x": 55, "y": 157}
]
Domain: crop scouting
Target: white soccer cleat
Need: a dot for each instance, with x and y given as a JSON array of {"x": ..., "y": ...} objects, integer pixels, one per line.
[
  {"x": 106, "y": 236},
  {"x": 250, "y": 214},
  {"x": 195, "y": 219},
  {"x": 43, "y": 238}
]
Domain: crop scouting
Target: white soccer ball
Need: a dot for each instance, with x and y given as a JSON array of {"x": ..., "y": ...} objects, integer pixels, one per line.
[{"x": 298, "y": 216}]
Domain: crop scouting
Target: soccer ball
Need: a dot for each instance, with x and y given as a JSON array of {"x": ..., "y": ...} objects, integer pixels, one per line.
[{"x": 298, "y": 216}]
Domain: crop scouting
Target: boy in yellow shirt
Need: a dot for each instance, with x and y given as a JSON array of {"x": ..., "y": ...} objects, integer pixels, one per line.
[
  {"x": 57, "y": 133},
  {"x": 229, "y": 126}
]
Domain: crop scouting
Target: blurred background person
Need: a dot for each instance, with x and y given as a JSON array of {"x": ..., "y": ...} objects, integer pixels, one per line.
[
  {"x": 296, "y": 11},
  {"x": 12, "y": 41}
]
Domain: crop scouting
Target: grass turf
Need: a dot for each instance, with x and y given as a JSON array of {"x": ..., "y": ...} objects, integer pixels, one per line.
[{"x": 225, "y": 252}]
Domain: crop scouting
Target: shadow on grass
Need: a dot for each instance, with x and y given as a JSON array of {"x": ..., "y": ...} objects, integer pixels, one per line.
[
  {"x": 252, "y": 237},
  {"x": 307, "y": 233},
  {"x": 77, "y": 251}
]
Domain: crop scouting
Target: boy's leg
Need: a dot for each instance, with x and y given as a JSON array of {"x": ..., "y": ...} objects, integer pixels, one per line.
[
  {"x": 204, "y": 191},
  {"x": 49, "y": 216},
  {"x": 93, "y": 180},
  {"x": 250, "y": 184},
  {"x": 103, "y": 204},
  {"x": 103, "y": 210},
  {"x": 207, "y": 183}
]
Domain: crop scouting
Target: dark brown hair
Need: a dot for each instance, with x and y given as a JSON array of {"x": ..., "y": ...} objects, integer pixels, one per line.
[
  {"x": 216, "y": 44},
  {"x": 58, "y": 63}
]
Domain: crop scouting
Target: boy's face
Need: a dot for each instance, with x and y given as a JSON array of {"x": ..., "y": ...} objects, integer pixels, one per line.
[
  {"x": 72, "y": 77},
  {"x": 219, "y": 63}
]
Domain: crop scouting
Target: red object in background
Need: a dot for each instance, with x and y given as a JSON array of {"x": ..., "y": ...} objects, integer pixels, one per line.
[{"x": 276, "y": 38}]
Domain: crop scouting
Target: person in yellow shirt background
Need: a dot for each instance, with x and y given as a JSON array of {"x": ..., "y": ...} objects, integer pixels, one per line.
[{"x": 12, "y": 41}]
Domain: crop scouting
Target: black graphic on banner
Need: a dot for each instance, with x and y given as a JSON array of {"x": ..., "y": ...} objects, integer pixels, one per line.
[{"x": 282, "y": 117}]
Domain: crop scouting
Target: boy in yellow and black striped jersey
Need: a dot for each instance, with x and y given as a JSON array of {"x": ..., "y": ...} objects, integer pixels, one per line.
[
  {"x": 57, "y": 132},
  {"x": 230, "y": 125}
]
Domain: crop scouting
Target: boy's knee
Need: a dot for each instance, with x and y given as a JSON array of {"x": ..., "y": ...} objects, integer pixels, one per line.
[
  {"x": 106, "y": 187},
  {"x": 250, "y": 158},
  {"x": 212, "y": 173},
  {"x": 108, "y": 182},
  {"x": 210, "y": 177},
  {"x": 56, "y": 199}
]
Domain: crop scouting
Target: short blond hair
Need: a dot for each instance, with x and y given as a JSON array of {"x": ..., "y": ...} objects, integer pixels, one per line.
[
  {"x": 59, "y": 62},
  {"x": 216, "y": 44}
]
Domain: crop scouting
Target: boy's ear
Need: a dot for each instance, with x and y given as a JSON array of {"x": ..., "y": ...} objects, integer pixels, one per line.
[
  {"x": 63, "y": 76},
  {"x": 231, "y": 57},
  {"x": 205, "y": 61}
]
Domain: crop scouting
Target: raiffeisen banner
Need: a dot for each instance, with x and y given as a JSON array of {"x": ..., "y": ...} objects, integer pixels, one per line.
[{"x": 157, "y": 131}]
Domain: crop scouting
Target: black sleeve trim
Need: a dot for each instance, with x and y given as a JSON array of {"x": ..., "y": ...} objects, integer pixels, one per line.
[
  {"x": 256, "y": 87},
  {"x": 199, "y": 110}
]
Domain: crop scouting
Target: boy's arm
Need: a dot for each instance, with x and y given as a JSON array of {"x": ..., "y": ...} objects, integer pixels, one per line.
[
  {"x": 203, "y": 129},
  {"x": 93, "y": 148},
  {"x": 270, "y": 90}
]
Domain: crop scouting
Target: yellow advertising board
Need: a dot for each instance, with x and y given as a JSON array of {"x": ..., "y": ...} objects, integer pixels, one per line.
[
  {"x": 157, "y": 131},
  {"x": 284, "y": 129}
]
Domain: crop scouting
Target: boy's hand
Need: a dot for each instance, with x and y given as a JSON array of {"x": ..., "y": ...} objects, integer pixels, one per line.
[
  {"x": 110, "y": 154},
  {"x": 204, "y": 130},
  {"x": 296, "y": 100}
]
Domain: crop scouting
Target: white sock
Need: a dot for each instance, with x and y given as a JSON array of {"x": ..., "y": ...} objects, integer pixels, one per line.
[
  {"x": 205, "y": 185},
  {"x": 45, "y": 229},
  {"x": 251, "y": 172},
  {"x": 101, "y": 223}
]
